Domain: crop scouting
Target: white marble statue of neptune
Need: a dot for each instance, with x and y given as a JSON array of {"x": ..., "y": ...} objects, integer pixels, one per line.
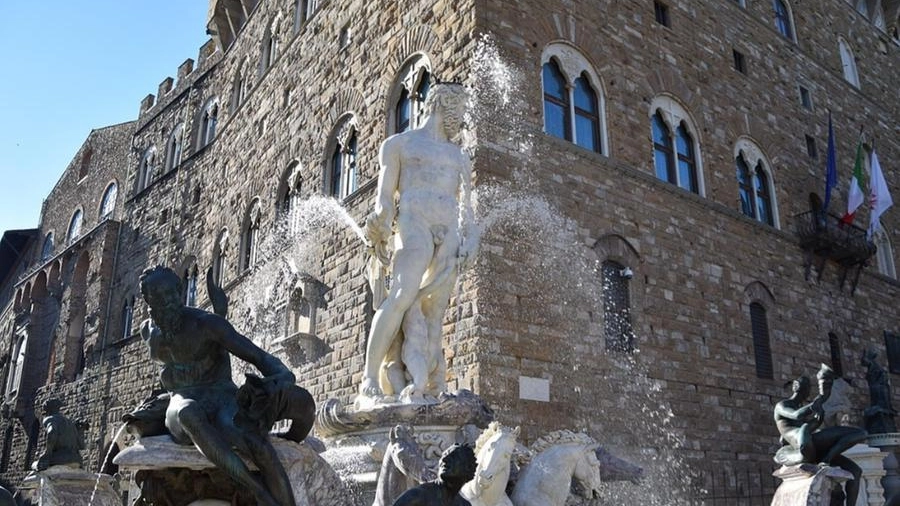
[{"x": 424, "y": 206}]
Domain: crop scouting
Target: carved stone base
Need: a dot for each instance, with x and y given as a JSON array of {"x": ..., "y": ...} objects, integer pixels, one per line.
[
  {"x": 888, "y": 443},
  {"x": 808, "y": 485},
  {"x": 168, "y": 473},
  {"x": 66, "y": 486},
  {"x": 871, "y": 461},
  {"x": 356, "y": 439}
]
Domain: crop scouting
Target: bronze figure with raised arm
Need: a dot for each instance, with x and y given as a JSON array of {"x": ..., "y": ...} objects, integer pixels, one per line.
[{"x": 195, "y": 347}]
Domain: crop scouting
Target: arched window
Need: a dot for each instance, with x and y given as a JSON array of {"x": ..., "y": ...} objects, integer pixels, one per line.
[
  {"x": 146, "y": 169},
  {"x": 47, "y": 248},
  {"x": 687, "y": 161},
  {"x": 556, "y": 102},
  {"x": 74, "y": 227},
  {"x": 269, "y": 45},
  {"x": 587, "y": 115},
  {"x": 663, "y": 154},
  {"x": 884, "y": 255},
  {"x": 219, "y": 258},
  {"x": 783, "y": 22},
  {"x": 617, "y": 307},
  {"x": 209, "y": 116},
  {"x": 755, "y": 188},
  {"x": 573, "y": 98},
  {"x": 411, "y": 88},
  {"x": 848, "y": 63},
  {"x": 834, "y": 345},
  {"x": 250, "y": 236},
  {"x": 173, "y": 148},
  {"x": 341, "y": 178},
  {"x": 190, "y": 286},
  {"x": 127, "y": 317},
  {"x": 675, "y": 147},
  {"x": 240, "y": 85},
  {"x": 762, "y": 351},
  {"x": 303, "y": 12},
  {"x": 108, "y": 202}
]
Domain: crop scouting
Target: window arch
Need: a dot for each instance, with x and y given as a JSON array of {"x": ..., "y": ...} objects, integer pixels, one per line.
[
  {"x": 189, "y": 282},
  {"x": 341, "y": 174},
  {"x": 209, "y": 116},
  {"x": 288, "y": 196},
  {"x": 47, "y": 248},
  {"x": 146, "y": 169},
  {"x": 848, "y": 63},
  {"x": 884, "y": 255},
  {"x": 617, "y": 306},
  {"x": 756, "y": 189},
  {"x": 75, "y": 223},
  {"x": 676, "y": 149},
  {"x": 407, "y": 109},
  {"x": 219, "y": 264},
  {"x": 250, "y": 236},
  {"x": 270, "y": 44},
  {"x": 174, "y": 147},
  {"x": 108, "y": 202},
  {"x": 762, "y": 350},
  {"x": 240, "y": 86},
  {"x": 574, "y": 106},
  {"x": 127, "y": 317},
  {"x": 758, "y": 298},
  {"x": 784, "y": 19}
]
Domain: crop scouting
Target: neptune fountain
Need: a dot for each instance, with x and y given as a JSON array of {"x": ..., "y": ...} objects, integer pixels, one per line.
[{"x": 206, "y": 441}]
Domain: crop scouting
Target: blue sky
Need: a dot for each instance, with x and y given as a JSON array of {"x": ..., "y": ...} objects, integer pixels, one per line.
[{"x": 70, "y": 67}]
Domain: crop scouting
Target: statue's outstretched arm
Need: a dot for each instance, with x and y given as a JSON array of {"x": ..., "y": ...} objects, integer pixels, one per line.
[{"x": 242, "y": 347}]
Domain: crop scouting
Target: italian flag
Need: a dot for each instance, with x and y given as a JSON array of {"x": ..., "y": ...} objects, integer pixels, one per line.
[{"x": 856, "y": 194}]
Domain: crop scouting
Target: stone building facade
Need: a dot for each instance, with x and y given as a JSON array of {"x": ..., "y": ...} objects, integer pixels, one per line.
[{"x": 629, "y": 284}]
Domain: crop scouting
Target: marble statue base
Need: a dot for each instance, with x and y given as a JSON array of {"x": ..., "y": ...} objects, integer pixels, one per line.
[
  {"x": 356, "y": 439},
  {"x": 68, "y": 486},
  {"x": 163, "y": 471},
  {"x": 808, "y": 485}
]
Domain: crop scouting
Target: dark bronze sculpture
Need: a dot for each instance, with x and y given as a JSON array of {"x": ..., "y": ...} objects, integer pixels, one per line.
[
  {"x": 456, "y": 467},
  {"x": 64, "y": 439},
  {"x": 805, "y": 441},
  {"x": 879, "y": 416},
  {"x": 202, "y": 406}
]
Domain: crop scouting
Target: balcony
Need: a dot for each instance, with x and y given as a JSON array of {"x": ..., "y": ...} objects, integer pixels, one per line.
[{"x": 825, "y": 237}]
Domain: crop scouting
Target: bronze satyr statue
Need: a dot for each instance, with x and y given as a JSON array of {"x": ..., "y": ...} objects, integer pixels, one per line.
[
  {"x": 456, "y": 467},
  {"x": 64, "y": 439},
  {"x": 194, "y": 347},
  {"x": 805, "y": 441}
]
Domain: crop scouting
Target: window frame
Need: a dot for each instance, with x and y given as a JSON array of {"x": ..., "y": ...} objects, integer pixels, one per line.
[
  {"x": 342, "y": 159},
  {"x": 572, "y": 65},
  {"x": 756, "y": 160},
  {"x": 209, "y": 118},
  {"x": 675, "y": 116},
  {"x": 415, "y": 74},
  {"x": 784, "y": 20}
]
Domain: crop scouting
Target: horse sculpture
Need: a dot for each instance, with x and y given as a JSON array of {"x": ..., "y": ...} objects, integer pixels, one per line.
[
  {"x": 558, "y": 458},
  {"x": 402, "y": 467},
  {"x": 494, "y": 449}
]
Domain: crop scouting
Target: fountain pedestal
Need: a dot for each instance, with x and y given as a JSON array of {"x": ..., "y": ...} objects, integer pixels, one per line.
[
  {"x": 888, "y": 443},
  {"x": 356, "y": 439},
  {"x": 68, "y": 486},
  {"x": 164, "y": 470},
  {"x": 808, "y": 485},
  {"x": 871, "y": 461}
]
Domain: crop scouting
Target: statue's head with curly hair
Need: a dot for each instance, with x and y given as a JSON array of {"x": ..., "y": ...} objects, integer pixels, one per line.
[
  {"x": 449, "y": 100},
  {"x": 161, "y": 289}
]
